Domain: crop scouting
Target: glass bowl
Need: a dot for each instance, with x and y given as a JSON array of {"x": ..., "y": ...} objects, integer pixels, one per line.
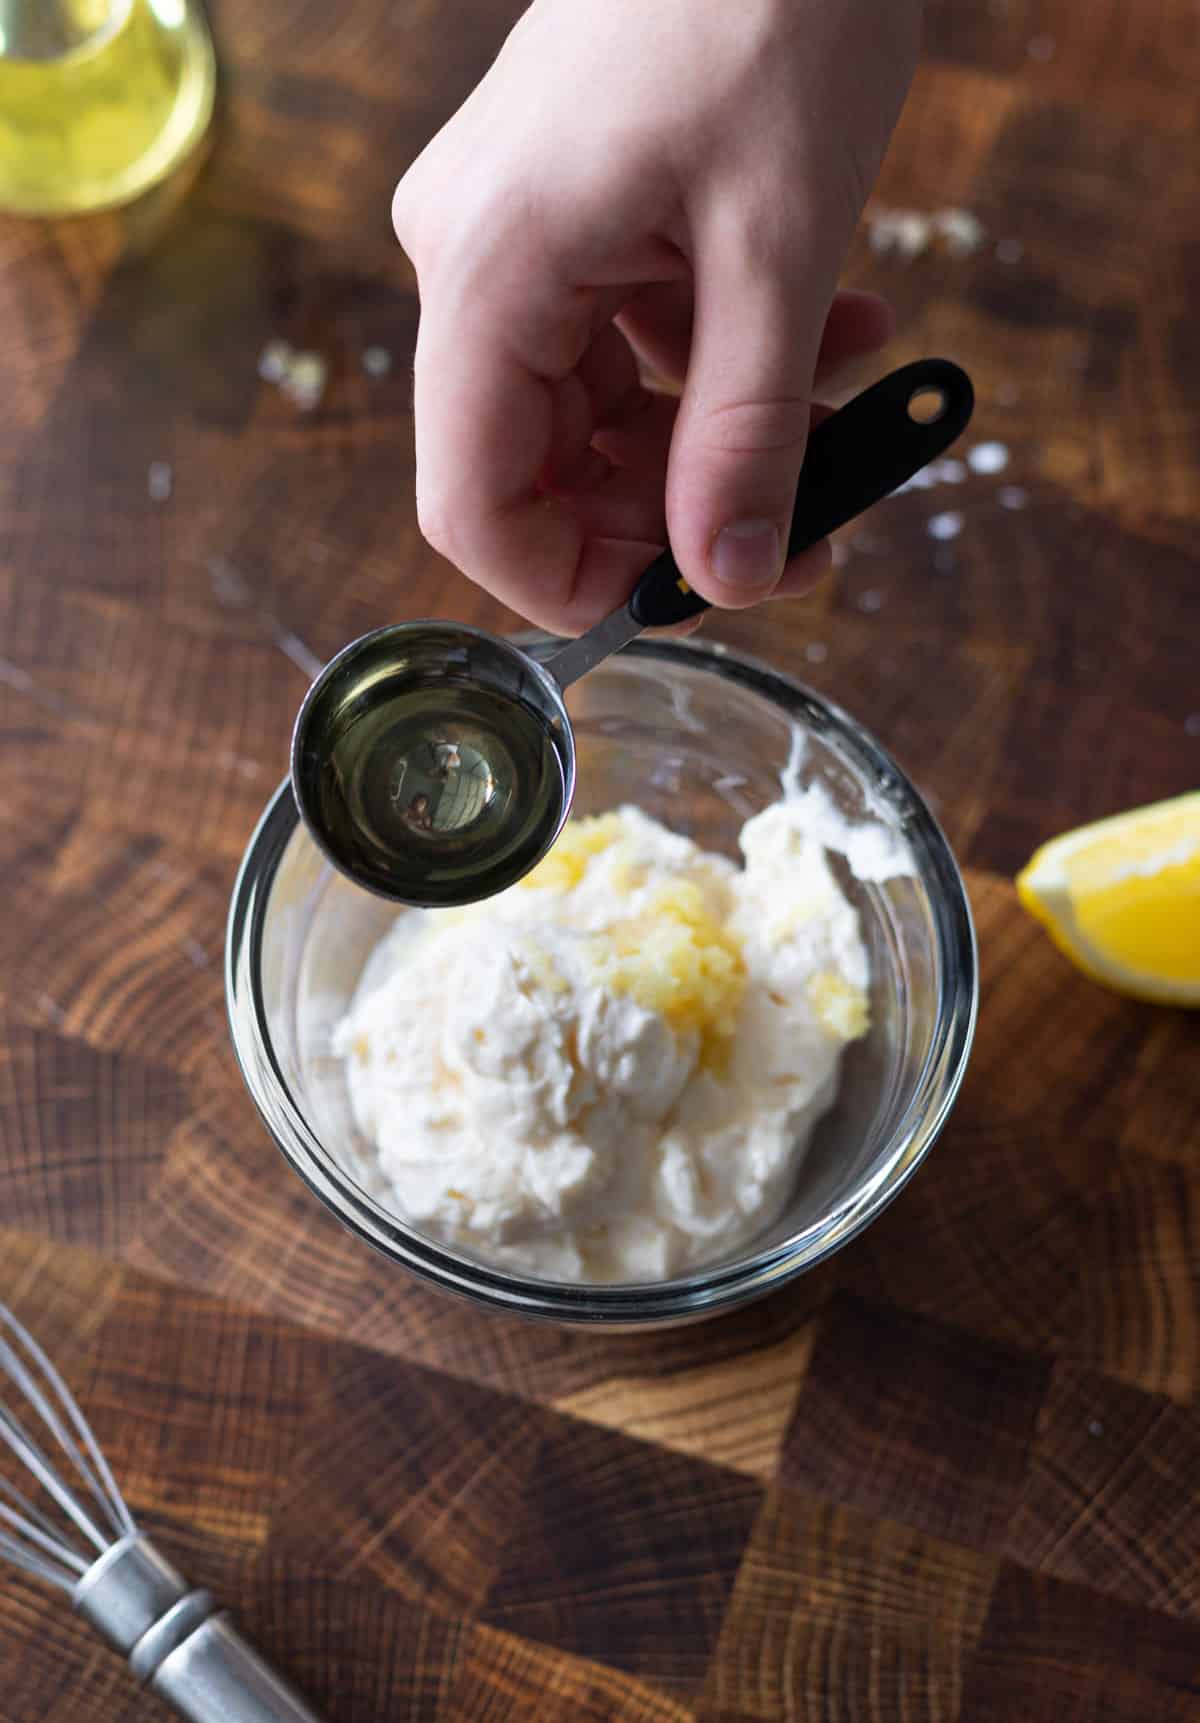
[{"x": 698, "y": 737}]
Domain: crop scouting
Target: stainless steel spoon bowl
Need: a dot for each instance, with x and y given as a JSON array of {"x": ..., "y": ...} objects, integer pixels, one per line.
[{"x": 435, "y": 764}]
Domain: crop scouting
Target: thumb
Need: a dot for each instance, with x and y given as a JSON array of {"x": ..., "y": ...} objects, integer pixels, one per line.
[{"x": 740, "y": 435}]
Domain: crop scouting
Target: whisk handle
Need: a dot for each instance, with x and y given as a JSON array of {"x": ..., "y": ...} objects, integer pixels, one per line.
[
  {"x": 178, "y": 1643},
  {"x": 216, "y": 1676}
]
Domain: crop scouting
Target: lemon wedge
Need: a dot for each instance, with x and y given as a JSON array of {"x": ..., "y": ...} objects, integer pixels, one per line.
[{"x": 1122, "y": 899}]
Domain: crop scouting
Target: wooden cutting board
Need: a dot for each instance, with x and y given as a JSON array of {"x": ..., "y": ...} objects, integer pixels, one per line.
[
  {"x": 951, "y": 1474},
  {"x": 950, "y": 1477}
]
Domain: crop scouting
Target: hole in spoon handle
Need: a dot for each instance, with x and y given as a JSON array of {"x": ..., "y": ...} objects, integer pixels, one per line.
[
  {"x": 856, "y": 457},
  {"x": 874, "y": 443}
]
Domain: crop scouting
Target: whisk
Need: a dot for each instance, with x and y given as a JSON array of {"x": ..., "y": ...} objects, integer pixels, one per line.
[{"x": 175, "y": 1638}]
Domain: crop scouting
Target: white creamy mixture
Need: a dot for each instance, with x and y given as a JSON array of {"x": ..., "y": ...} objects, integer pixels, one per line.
[{"x": 611, "y": 1071}]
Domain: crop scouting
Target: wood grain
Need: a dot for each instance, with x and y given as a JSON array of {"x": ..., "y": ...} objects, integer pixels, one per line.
[
  {"x": 734, "y": 1411},
  {"x": 916, "y": 1421},
  {"x": 1107, "y": 1499},
  {"x": 839, "y": 1615},
  {"x": 950, "y": 1477},
  {"x": 1050, "y": 1650}
]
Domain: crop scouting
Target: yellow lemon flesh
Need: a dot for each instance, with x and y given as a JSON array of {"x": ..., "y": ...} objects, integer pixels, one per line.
[{"x": 1122, "y": 899}]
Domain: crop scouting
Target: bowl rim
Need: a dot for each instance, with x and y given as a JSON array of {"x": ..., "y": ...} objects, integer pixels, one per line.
[{"x": 704, "y": 1291}]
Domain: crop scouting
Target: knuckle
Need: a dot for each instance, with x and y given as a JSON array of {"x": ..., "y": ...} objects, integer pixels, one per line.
[
  {"x": 766, "y": 231},
  {"x": 773, "y": 424}
]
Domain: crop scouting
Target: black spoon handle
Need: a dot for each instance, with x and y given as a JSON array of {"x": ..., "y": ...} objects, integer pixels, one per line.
[{"x": 858, "y": 455}]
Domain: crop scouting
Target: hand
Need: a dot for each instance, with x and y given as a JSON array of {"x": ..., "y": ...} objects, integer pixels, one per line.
[{"x": 674, "y": 181}]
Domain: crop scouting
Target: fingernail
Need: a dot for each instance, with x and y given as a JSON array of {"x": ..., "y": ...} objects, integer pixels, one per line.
[{"x": 748, "y": 553}]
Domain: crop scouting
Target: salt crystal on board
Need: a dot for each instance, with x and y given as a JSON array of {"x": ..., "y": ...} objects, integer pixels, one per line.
[
  {"x": 305, "y": 380},
  {"x": 987, "y": 458},
  {"x": 948, "y": 471},
  {"x": 376, "y": 361},
  {"x": 962, "y": 231},
  {"x": 273, "y": 361},
  {"x": 160, "y": 481}
]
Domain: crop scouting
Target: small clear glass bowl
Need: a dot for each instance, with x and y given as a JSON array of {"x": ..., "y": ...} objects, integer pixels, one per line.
[{"x": 698, "y": 737}]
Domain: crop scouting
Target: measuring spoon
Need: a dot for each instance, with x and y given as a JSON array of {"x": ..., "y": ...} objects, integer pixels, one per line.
[{"x": 434, "y": 763}]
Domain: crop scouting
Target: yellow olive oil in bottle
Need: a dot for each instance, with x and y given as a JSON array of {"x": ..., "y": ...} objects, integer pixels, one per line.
[{"x": 99, "y": 99}]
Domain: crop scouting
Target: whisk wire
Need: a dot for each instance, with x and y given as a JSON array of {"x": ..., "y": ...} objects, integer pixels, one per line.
[
  {"x": 59, "y": 1566},
  {"x": 20, "y": 1556},
  {"x": 74, "y": 1437},
  {"x": 100, "y": 1481},
  {"x": 177, "y": 1640},
  {"x": 50, "y": 1542},
  {"x": 31, "y": 1511},
  {"x": 34, "y": 1459}
]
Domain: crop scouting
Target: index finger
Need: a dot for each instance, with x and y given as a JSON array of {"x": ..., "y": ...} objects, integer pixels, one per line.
[{"x": 485, "y": 435}]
